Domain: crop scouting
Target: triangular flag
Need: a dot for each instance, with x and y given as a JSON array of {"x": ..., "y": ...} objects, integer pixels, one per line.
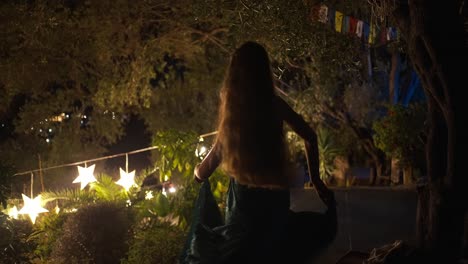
[{"x": 338, "y": 21}]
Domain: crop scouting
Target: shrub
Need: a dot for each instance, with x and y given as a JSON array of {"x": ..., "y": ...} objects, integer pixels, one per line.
[
  {"x": 14, "y": 244},
  {"x": 159, "y": 243},
  {"x": 95, "y": 234},
  {"x": 46, "y": 232}
]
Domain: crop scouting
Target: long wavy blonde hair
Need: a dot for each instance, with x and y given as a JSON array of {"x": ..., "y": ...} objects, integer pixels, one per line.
[{"x": 250, "y": 131}]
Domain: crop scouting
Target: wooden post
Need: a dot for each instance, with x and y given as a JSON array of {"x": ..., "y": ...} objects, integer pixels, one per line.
[
  {"x": 126, "y": 163},
  {"x": 40, "y": 173},
  {"x": 32, "y": 185}
]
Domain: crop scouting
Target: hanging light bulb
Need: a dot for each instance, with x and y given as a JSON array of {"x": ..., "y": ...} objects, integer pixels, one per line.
[
  {"x": 200, "y": 150},
  {"x": 172, "y": 189}
]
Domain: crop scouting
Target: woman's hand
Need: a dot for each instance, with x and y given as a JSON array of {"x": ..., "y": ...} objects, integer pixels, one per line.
[
  {"x": 195, "y": 174},
  {"x": 197, "y": 179}
]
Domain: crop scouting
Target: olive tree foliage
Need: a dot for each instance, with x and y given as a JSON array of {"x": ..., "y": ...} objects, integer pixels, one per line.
[
  {"x": 164, "y": 61},
  {"x": 95, "y": 62},
  {"x": 322, "y": 72},
  {"x": 442, "y": 207}
]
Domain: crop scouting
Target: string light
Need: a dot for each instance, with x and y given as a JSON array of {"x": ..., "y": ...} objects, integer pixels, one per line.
[
  {"x": 149, "y": 195},
  {"x": 127, "y": 180},
  {"x": 32, "y": 207},
  {"x": 13, "y": 212},
  {"x": 85, "y": 176},
  {"x": 200, "y": 150},
  {"x": 172, "y": 189}
]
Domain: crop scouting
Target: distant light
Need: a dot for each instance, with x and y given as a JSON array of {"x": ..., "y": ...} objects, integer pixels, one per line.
[
  {"x": 50, "y": 129},
  {"x": 67, "y": 116},
  {"x": 172, "y": 189},
  {"x": 3, "y": 125},
  {"x": 32, "y": 128},
  {"x": 47, "y": 140},
  {"x": 84, "y": 116},
  {"x": 40, "y": 130}
]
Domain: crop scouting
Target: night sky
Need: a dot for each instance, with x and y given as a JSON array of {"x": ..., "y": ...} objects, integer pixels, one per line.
[{"x": 135, "y": 138}]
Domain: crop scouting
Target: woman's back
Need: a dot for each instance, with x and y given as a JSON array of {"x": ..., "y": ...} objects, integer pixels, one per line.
[{"x": 250, "y": 131}]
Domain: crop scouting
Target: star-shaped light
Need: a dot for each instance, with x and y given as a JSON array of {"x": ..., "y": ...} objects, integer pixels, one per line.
[
  {"x": 32, "y": 207},
  {"x": 13, "y": 212},
  {"x": 149, "y": 195},
  {"x": 85, "y": 175},
  {"x": 127, "y": 180}
]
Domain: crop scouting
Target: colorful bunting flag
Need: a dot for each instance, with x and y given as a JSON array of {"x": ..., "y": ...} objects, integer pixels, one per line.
[
  {"x": 338, "y": 21},
  {"x": 345, "y": 24},
  {"x": 331, "y": 17},
  {"x": 369, "y": 32},
  {"x": 359, "y": 28},
  {"x": 365, "y": 31},
  {"x": 383, "y": 35},
  {"x": 323, "y": 14},
  {"x": 352, "y": 25},
  {"x": 372, "y": 33}
]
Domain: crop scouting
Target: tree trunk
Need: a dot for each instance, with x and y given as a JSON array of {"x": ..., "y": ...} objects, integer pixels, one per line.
[
  {"x": 408, "y": 175},
  {"x": 436, "y": 45},
  {"x": 364, "y": 137},
  {"x": 395, "y": 171}
]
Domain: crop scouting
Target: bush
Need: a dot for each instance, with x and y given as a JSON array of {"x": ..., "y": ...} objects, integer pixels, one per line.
[
  {"x": 5, "y": 181},
  {"x": 95, "y": 234},
  {"x": 14, "y": 244},
  {"x": 46, "y": 233},
  {"x": 160, "y": 243},
  {"x": 400, "y": 134}
]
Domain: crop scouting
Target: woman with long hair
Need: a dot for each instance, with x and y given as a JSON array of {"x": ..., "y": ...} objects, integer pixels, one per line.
[{"x": 250, "y": 147}]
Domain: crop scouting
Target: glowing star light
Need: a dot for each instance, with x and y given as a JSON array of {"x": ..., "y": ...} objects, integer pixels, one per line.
[
  {"x": 85, "y": 175},
  {"x": 32, "y": 207},
  {"x": 149, "y": 195},
  {"x": 13, "y": 212},
  {"x": 127, "y": 180}
]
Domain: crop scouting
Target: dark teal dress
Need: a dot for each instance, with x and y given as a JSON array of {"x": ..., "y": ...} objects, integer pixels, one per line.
[{"x": 254, "y": 227}]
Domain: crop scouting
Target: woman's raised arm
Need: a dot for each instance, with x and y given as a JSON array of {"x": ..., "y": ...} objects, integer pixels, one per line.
[
  {"x": 209, "y": 164},
  {"x": 300, "y": 126}
]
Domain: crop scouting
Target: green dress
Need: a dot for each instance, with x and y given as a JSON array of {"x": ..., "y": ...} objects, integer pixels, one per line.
[{"x": 254, "y": 227}]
